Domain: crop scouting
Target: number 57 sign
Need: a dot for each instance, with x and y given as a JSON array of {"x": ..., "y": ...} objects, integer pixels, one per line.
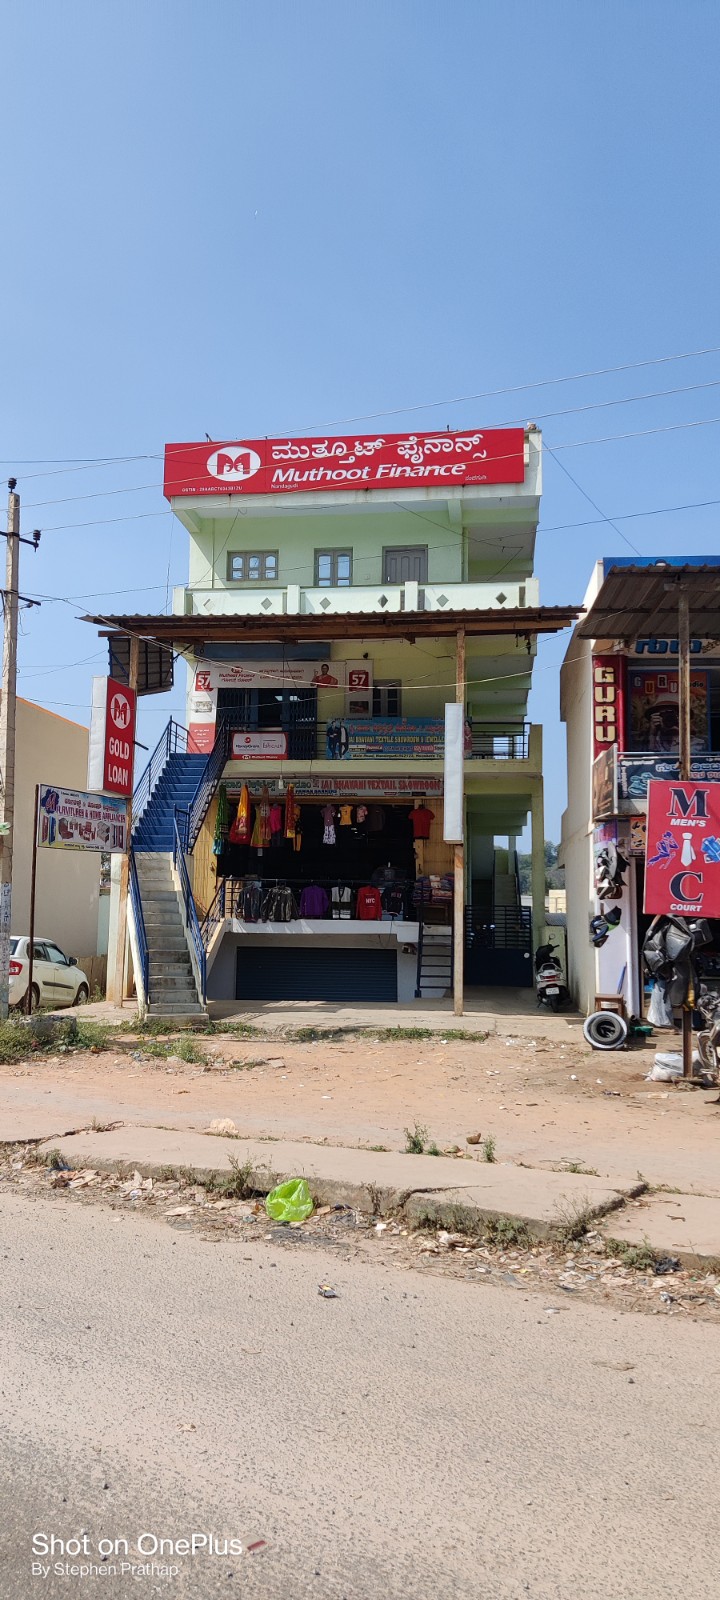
[{"x": 682, "y": 864}]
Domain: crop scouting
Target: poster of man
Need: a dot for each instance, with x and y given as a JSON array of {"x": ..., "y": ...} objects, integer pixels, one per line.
[{"x": 655, "y": 711}]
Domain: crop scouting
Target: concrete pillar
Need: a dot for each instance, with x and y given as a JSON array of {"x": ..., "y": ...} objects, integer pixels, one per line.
[
  {"x": 537, "y": 874},
  {"x": 292, "y": 599}
]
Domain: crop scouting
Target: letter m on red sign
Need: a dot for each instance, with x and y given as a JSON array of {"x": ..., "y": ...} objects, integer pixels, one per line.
[{"x": 683, "y": 804}]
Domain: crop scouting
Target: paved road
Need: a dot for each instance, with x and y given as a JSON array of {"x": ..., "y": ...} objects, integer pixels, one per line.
[{"x": 414, "y": 1439}]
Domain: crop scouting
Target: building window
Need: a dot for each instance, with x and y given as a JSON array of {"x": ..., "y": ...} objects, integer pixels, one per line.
[
  {"x": 252, "y": 566},
  {"x": 333, "y": 569},
  {"x": 387, "y": 698}
]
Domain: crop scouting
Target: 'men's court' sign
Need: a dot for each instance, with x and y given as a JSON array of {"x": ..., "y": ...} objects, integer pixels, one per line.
[{"x": 682, "y": 865}]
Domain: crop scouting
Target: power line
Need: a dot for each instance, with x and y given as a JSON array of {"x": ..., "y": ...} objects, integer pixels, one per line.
[
  {"x": 594, "y": 405},
  {"x": 594, "y": 503}
]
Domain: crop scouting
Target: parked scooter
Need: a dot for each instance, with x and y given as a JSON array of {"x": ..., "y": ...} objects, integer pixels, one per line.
[{"x": 549, "y": 986}]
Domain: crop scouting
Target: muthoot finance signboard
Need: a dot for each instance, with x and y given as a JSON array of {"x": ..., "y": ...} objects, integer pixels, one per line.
[{"x": 374, "y": 461}]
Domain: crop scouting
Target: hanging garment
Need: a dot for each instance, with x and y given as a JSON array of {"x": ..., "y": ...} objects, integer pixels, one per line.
[
  {"x": 369, "y": 905},
  {"x": 341, "y": 898},
  {"x": 279, "y": 905},
  {"x": 251, "y": 898},
  {"x": 292, "y": 813},
  {"x": 313, "y": 901},
  {"x": 221, "y": 822},
  {"x": 346, "y": 816},
  {"x": 393, "y": 900},
  {"x": 276, "y": 825},
  {"x": 261, "y": 830},
  {"x": 328, "y": 816},
  {"x": 240, "y": 830},
  {"x": 361, "y": 816},
  {"x": 421, "y": 818},
  {"x": 376, "y": 819}
]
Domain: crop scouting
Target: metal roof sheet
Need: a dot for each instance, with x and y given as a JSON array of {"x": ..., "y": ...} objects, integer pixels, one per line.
[{"x": 644, "y": 600}]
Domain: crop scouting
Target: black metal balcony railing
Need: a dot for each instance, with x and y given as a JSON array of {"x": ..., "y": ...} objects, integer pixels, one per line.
[{"x": 312, "y": 741}]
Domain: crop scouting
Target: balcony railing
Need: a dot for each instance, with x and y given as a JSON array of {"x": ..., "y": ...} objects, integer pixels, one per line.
[
  {"x": 387, "y": 739},
  {"x": 296, "y": 600}
]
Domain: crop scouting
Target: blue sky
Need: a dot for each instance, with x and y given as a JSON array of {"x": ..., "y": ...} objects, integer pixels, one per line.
[{"x": 247, "y": 218}]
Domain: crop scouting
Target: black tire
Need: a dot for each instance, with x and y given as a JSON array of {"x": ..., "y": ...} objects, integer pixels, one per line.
[
  {"x": 554, "y": 1002},
  {"x": 605, "y": 1030},
  {"x": 83, "y": 995},
  {"x": 35, "y": 998}
]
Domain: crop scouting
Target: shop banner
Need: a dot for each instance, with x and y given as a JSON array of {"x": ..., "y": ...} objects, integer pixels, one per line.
[
  {"x": 636, "y": 772},
  {"x": 390, "y": 461},
  {"x": 377, "y": 788},
  {"x": 270, "y": 745},
  {"x": 270, "y": 675},
  {"x": 682, "y": 865},
  {"x": 654, "y": 721},
  {"x": 72, "y": 819},
  {"x": 391, "y": 737}
]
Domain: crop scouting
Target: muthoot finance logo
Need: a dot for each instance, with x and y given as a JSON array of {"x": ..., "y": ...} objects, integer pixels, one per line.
[{"x": 233, "y": 463}]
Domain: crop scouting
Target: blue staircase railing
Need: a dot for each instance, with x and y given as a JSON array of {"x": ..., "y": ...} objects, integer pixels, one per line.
[
  {"x": 190, "y": 916},
  {"x": 211, "y": 775},
  {"x": 140, "y": 932},
  {"x": 172, "y": 740}
]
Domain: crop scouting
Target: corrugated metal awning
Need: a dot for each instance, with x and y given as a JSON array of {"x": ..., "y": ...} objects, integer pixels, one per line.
[{"x": 644, "y": 600}]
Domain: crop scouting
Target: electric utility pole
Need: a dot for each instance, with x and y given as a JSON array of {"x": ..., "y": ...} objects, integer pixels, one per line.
[{"x": 7, "y": 735}]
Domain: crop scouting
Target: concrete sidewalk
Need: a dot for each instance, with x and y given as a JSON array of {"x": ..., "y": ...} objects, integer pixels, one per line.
[{"x": 432, "y": 1188}]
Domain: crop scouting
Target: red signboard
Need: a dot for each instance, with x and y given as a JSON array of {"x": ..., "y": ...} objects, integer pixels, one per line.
[
  {"x": 119, "y": 739},
  {"x": 608, "y": 717},
  {"x": 682, "y": 865},
  {"x": 387, "y": 461}
]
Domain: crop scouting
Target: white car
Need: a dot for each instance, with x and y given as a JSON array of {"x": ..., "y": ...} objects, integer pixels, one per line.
[{"x": 57, "y": 979}]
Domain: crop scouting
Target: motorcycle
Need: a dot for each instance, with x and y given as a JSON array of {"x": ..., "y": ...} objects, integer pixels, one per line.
[{"x": 549, "y": 986}]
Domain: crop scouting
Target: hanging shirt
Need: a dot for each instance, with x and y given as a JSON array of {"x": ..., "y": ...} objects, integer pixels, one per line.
[
  {"x": 313, "y": 901},
  {"x": 276, "y": 818},
  {"x": 421, "y": 818},
  {"x": 361, "y": 815},
  {"x": 369, "y": 905},
  {"x": 346, "y": 816},
  {"x": 376, "y": 819},
  {"x": 328, "y": 816}
]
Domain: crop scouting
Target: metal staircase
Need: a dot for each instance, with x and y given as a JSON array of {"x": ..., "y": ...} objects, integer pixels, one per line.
[{"x": 434, "y": 959}]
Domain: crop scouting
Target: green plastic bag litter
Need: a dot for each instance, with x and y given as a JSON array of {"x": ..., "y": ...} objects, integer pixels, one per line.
[{"x": 290, "y": 1202}]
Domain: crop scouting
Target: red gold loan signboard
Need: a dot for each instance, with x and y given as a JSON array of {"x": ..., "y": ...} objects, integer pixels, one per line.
[{"x": 682, "y": 865}]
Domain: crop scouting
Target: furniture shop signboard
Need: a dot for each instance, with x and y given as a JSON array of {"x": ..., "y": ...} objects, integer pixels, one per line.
[
  {"x": 682, "y": 865},
  {"x": 74, "y": 819},
  {"x": 371, "y": 461}
]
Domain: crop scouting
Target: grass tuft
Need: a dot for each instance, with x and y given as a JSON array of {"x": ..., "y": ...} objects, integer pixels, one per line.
[
  {"x": 488, "y": 1148},
  {"x": 415, "y": 1140}
]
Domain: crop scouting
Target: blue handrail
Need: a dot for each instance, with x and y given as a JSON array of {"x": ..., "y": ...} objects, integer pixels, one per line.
[
  {"x": 139, "y": 920},
  {"x": 209, "y": 780},
  {"x": 190, "y": 915},
  {"x": 173, "y": 739}
]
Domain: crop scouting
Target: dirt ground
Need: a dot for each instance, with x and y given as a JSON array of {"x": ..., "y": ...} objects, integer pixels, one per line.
[{"x": 542, "y": 1101}]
